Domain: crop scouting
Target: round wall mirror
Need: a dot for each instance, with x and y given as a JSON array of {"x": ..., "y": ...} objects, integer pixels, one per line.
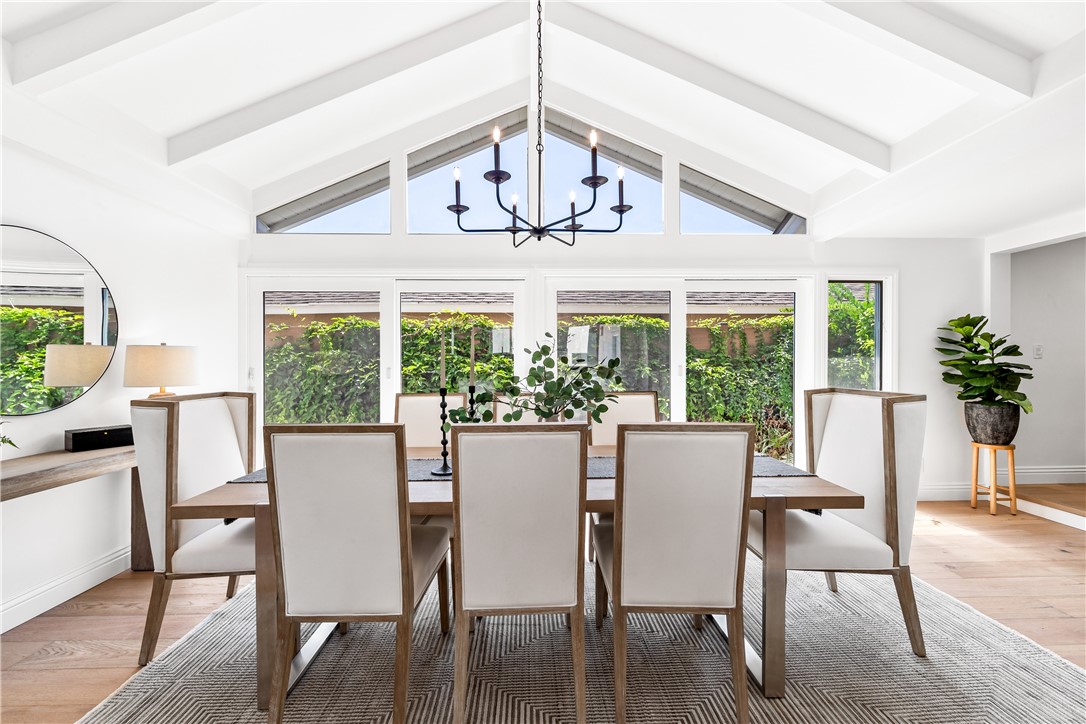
[{"x": 58, "y": 324}]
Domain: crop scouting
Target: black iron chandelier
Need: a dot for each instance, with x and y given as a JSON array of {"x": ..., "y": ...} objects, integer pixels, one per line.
[{"x": 497, "y": 176}]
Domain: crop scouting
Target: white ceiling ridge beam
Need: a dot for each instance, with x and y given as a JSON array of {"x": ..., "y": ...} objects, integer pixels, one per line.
[
  {"x": 117, "y": 32},
  {"x": 610, "y": 119},
  {"x": 311, "y": 94},
  {"x": 929, "y": 42},
  {"x": 854, "y": 145},
  {"x": 43, "y": 131},
  {"x": 344, "y": 165},
  {"x": 958, "y": 163},
  {"x": 1060, "y": 66}
]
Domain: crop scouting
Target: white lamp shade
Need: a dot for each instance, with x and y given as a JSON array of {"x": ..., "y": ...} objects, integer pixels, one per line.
[
  {"x": 159, "y": 365},
  {"x": 75, "y": 365}
]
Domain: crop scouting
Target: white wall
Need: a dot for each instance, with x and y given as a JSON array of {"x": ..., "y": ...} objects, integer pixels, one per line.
[
  {"x": 1048, "y": 307},
  {"x": 172, "y": 280}
]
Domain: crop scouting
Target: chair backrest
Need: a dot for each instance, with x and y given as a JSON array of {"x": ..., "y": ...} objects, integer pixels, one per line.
[
  {"x": 502, "y": 408},
  {"x": 340, "y": 520},
  {"x": 871, "y": 443},
  {"x": 185, "y": 445},
  {"x": 682, "y": 496},
  {"x": 420, "y": 414},
  {"x": 518, "y": 514},
  {"x": 631, "y": 407}
]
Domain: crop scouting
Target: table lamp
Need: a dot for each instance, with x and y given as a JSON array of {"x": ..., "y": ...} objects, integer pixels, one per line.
[
  {"x": 75, "y": 365},
  {"x": 159, "y": 365}
]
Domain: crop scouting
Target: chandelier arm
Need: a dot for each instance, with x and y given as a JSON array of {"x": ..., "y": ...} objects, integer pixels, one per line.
[
  {"x": 479, "y": 231},
  {"x": 579, "y": 213},
  {"x": 561, "y": 240},
  {"x": 498, "y": 198},
  {"x": 604, "y": 231}
]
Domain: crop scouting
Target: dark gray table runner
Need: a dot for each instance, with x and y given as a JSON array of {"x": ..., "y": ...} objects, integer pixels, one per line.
[{"x": 598, "y": 467}]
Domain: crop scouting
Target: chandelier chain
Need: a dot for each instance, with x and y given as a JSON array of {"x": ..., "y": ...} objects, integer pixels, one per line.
[{"x": 539, "y": 73}]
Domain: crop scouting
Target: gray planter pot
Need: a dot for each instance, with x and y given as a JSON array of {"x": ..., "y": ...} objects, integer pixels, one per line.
[{"x": 992, "y": 424}]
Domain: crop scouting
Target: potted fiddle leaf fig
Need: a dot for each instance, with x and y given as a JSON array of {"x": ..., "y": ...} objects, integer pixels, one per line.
[
  {"x": 986, "y": 381},
  {"x": 554, "y": 389}
]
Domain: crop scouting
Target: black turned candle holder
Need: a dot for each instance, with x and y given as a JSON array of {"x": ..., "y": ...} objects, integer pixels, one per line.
[
  {"x": 471, "y": 401},
  {"x": 444, "y": 468}
]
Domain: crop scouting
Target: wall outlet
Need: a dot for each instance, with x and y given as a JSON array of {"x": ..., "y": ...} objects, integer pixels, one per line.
[{"x": 1038, "y": 351}]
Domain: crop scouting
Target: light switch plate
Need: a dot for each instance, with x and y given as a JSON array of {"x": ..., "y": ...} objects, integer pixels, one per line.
[{"x": 1038, "y": 351}]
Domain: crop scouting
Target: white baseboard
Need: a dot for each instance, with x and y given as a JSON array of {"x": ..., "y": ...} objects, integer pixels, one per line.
[
  {"x": 40, "y": 599},
  {"x": 944, "y": 491},
  {"x": 1039, "y": 474}
]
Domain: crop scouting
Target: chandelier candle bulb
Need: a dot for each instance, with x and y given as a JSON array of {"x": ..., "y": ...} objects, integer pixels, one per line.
[
  {"x": 456, "y": 182},
  {"x": 592, "y": 137},
  {"x": 497, "y": 148},
  {"x": 514, "y": 217},
  {"x": 620, "y": 173},
  {"x": 573, "y": 207}
]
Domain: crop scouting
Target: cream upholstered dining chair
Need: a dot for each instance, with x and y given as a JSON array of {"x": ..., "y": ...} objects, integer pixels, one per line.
[
  {"x": 420, "y": 414},
  {"x": 344, "y": 547},
  {"x": 630, "y": 407},
  {"x": 677, "y": 541},
  {"x": 871, "y": 443},
  {"x": 506, "y": 563},
  {"x": 185, "y": 445}
]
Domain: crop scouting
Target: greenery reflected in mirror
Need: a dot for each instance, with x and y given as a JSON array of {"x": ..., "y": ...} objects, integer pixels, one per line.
[{"x": 50, "y": 295}]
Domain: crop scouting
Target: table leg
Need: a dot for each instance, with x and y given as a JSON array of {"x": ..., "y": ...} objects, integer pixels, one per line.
[
  {"x": 774, "y": 592},
  {"x": 266, "y": 606}
]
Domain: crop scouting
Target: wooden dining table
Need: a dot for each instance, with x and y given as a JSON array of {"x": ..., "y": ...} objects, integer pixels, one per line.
[{"x": 771, "y": 496}]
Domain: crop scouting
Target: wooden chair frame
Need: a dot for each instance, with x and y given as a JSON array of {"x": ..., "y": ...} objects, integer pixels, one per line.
[
  {"x": 287, "y": 625},
  {"x": 634, "y": 393},
  {"x": 163, "y": 581},
  {"x": 621, "y": 612},
  {"x": 903, "y": 582},
  {"x": 464, "y": 616}
]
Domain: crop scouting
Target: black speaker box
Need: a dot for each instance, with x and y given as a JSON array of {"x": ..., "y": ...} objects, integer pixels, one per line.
[{"x": 96, "y": 438}]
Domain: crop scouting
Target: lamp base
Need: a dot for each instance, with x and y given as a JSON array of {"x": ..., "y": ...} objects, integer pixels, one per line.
[{"x": 162, "y": 392}]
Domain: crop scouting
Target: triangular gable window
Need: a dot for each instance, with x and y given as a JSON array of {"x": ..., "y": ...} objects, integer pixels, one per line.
[
  {"x": 710, "y": 206},
  {"x": 355, "y": 205}
]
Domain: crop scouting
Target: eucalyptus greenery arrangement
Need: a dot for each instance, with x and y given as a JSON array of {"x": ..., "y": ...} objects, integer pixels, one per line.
[
  {"x": 553, "y": 389},
  {"x": 977, "y": 366}
]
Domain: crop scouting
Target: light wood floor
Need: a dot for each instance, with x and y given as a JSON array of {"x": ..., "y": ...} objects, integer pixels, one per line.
[
  {"x": 1024, "y": 571},
  {"x": 1068, "y": 497}
]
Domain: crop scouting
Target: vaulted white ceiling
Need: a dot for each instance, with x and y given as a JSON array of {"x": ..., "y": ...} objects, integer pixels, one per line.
[{"x": 945, "y": 119}]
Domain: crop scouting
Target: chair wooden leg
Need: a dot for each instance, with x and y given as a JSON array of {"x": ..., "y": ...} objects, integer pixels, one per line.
[
  {"x": 577, "y": 625},
  {"x": 738, "y": 649},
  {"x": 699, "y": 622},
  {"x": 588, "y": 538},
  {"x": 831, "y": 580},
  {"x": 284, "y": 654},
  {"x": 443, "y": 594},
  {"x": 156, "y": 609},
  {"x": 403, "y": 669},
  {"x": 231, "y": 586},
  {"x": 903, "y": 581},
  {"x": 620, "y": 664},
  {"x": 601, "y": 596},
  {"x": 296, "y": 636},
  {"x": 460, "y": 668}
]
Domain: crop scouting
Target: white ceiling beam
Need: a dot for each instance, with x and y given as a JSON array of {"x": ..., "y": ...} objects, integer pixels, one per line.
[
  {"x": 117, "y": 32},
  {"x": 244, "y": 121},
  {"x": 859, "y": 148},
  {"x": 962, "y": 163},
  {"x": 925, "y": 40},
  {"x": 445, "y": 123}
]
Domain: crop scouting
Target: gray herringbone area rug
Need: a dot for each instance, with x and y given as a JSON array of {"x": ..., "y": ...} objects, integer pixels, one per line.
[{"x": 848, "y": 661}]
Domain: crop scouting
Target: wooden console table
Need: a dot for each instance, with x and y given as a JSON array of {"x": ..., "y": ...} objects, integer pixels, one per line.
[{"x": 35, "y": 473}]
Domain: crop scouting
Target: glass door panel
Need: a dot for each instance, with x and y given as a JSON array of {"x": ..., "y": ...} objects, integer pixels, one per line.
[
  {"x": 633, "y": 325},
  {"x": 322, "y": 356},
  {"x": 740, "y": 363}
]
